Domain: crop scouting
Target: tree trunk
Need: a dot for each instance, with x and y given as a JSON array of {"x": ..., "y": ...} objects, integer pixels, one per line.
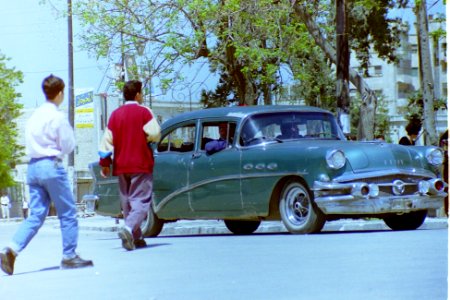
[
  {"x": 342, "y": 66},
  {"x": 369, "y": 99},
  {"x": 426, "y": 77},
  {"x": 245, "y": 89}
]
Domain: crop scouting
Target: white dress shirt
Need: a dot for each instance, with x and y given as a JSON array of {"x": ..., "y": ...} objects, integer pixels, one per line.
[{"x": 48, "y": 133}]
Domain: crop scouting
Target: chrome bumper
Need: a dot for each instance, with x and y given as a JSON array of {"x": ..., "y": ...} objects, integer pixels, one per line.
[{"x": 360, "y": 198}]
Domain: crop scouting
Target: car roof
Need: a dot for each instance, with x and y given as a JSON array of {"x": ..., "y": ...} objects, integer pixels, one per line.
[{"x": 238, "y": 112}]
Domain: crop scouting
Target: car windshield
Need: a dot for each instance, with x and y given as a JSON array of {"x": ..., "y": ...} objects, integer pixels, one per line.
[{"x": 285, "y": 126}]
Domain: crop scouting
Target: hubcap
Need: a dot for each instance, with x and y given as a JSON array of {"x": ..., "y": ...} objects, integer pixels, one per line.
[{"x": 297, "y": 206}]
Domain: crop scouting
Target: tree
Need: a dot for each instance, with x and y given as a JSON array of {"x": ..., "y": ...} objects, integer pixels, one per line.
[
  {"x": 425, "y": 72},
  {"x": 369, "y": 28},
  {"x": 250, "y": 42},
  {"x": 10, "y": 150},
  {"x": 162, "y": 36},
  {"x": 381, "y": 117}
]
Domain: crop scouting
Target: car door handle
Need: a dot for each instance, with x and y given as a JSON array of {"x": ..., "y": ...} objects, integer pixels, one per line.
[{"x": 196, "y": 155}]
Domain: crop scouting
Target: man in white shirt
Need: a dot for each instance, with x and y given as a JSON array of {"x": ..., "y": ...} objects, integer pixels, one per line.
[
  {"x": 49, "y": 137},
  {"x": 5, "y": 203}
]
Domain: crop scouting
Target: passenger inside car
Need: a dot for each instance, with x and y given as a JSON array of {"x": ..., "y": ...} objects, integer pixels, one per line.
[
  {"x": 288, "y": 131},
  {"x": 226, "y": 134}
]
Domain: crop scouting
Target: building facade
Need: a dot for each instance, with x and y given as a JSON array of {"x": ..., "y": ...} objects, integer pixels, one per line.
[{"x": 396, "y": 82}]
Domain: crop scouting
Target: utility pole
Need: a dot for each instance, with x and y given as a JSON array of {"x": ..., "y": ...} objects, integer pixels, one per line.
[
  {"x": 71, "y": 92},
  {"x": 71, "y": 162},
  {"x": 426, "y": 75},
  {"x": 342, "y": 67}
]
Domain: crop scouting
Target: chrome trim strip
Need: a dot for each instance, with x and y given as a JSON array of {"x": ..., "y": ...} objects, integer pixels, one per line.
[
  {"x": 365, "y": 175},
  {"x": 185, "y": 189}
]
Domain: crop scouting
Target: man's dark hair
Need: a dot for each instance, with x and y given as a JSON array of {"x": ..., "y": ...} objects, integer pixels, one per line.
[
  {"x": 413, "y": 127},
  {"x": 51, "y": 86},
  {"x": 131, "y": 88}
]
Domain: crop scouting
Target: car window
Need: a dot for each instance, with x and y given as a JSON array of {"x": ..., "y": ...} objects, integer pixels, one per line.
[
  {"x": 212, "y": 131},
  {"x": 181, "y": 139},
  {"x": 279, "y": 127}
]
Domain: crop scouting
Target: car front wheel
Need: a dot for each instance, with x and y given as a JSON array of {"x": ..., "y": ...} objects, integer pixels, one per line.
[
  {"x": 409, "y": 221},
  {"x": 152, "y": 225},
  {"x": 298, "y": 212},
  {"x": 242, "y": 227}
]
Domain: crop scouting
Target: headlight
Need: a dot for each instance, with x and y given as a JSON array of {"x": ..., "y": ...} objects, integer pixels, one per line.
[
  {"x": 335, "y": 159},
  {"x": 435, "y": 156}
]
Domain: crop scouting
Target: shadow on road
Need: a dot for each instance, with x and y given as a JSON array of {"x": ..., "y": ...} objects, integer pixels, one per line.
[{"x": 41, "y": 270}]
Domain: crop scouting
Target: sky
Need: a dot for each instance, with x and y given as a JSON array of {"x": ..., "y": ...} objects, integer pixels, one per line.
[{"x": 34, "y": 36}]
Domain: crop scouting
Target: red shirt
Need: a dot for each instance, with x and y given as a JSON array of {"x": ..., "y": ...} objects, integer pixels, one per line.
[{"x": 131, "y": 152}]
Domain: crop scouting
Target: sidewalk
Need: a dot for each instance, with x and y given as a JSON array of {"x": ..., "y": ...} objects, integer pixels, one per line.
[{"x": 199, "y": 227}]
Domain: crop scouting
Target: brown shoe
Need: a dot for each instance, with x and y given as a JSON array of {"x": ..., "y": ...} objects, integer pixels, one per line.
[
  {"x": 140, "y": 243},
  {"x": 7, "y": 258},
  {"x": 127, "y": 239},
  {"x": 76, "y": 262}
]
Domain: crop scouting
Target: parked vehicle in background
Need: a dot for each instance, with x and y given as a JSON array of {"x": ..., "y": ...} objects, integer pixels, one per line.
[{"x": 289, "y": 163}]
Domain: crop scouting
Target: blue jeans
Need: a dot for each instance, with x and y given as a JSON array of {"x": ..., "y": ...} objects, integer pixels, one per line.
[{"x": 48, "y": 183}]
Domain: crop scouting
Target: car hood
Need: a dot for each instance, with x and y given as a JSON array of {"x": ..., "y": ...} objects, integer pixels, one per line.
[
  {"x": 372, "y": 156},
  {"x": 366, "y": 156}
]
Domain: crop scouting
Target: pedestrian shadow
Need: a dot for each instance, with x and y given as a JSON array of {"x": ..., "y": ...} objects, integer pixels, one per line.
[
  {"x": 148, "y": 246},
  {"x": 40, "y": 270},
  {"x": 153, "y": 246}
]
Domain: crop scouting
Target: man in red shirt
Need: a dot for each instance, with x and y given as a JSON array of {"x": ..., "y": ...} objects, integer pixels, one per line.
[{"x": 125, "y": 145}]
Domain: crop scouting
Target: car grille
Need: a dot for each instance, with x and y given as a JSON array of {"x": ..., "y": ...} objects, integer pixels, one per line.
[{"x": 387, "y": 183}]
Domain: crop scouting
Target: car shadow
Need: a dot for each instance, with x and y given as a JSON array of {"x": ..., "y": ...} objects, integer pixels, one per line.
[{"x": 224, "y": 235}]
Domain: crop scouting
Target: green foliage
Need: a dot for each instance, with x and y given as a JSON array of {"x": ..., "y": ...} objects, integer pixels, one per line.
[
  {"x": 316, "y": 81},
  {"x": 218, "y": 97},
  {"x": 382, "y": 121},
  {"x": 248, "y": 42},
  {"x": 10, "y": 151},
  {"x": 414, "y": 110},
  {"x": 369, "y": 26}
]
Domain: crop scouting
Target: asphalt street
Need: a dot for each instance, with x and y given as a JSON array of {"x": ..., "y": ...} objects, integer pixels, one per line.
[{"x": 350, "y": 260}]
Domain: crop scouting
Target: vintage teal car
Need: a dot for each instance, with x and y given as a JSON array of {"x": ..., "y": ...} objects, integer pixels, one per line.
[{"x": 245, "y": 165}]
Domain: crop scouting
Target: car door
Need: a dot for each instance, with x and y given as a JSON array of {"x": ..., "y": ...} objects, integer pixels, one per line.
[
  {"x": 214, "y": 179},
  {"x": 172, "y": 159}
]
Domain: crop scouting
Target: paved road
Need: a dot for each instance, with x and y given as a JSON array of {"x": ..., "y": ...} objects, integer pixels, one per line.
[{"x": 350, "y": 264}]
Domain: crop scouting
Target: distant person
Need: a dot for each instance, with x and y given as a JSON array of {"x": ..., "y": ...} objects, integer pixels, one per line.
[
  {"x": 125, "y": 145},
  {"x": 48, "y": 137},
  {"x": 412, "y": 129},
  {"x": 6, "y": 205},
  {"x": 25, "y": 208},
  {"x": 443, "y": 143}
]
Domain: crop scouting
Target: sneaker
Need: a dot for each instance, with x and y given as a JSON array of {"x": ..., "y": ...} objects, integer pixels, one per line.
[
  {"x": 76, "y": 262},
  {"x": 7, "y": 258},
  {"x": 127, "y": 239},
  {"x": 140, "y": 243}
]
